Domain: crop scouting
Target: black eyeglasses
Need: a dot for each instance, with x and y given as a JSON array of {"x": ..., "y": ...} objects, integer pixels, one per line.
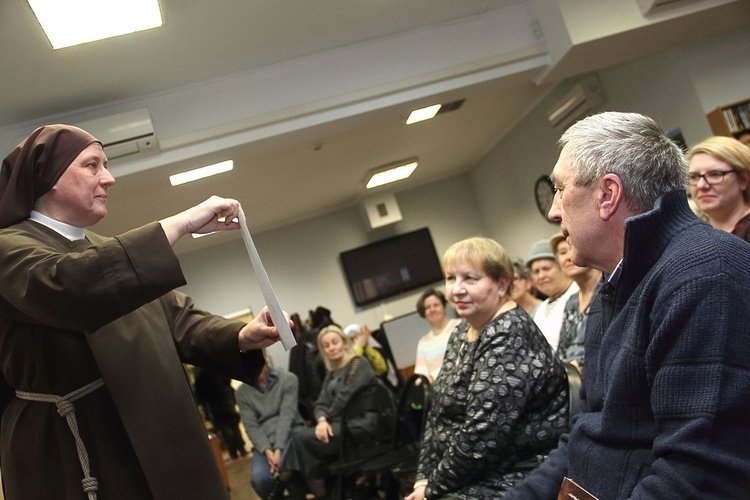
[{"x": 711, "y": 178}]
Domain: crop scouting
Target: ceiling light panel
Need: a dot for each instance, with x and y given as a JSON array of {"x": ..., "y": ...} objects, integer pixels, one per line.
[
  {"x": 422, "y": 114},
  {"x": 73, "y": 22},
  {"x": 386, "y": 175},
  {"x": 200, "y": 173}
]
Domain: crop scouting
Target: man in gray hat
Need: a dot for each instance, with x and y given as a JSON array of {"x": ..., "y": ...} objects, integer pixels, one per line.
[{"x": 557, "y": 286}]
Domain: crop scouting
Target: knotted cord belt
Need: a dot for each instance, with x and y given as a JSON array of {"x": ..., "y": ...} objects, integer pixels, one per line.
[{"x": 66, "y": 409}]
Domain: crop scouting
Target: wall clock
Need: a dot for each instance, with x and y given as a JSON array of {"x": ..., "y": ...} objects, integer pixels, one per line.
[{"x": 543, "y": 195}]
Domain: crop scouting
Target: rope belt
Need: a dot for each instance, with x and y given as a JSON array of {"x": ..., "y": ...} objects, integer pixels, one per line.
[{"x": 66, "y": 409}]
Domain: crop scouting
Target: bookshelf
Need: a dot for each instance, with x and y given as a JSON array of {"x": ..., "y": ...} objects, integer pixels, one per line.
[{"x": 731, "y": 119}]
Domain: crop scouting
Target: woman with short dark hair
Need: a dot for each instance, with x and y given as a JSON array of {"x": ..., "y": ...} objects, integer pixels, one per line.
[{"x": 431, "y": 346}]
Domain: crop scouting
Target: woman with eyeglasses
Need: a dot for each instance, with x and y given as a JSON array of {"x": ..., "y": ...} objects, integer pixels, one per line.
[{"x": 719, "y": 177}]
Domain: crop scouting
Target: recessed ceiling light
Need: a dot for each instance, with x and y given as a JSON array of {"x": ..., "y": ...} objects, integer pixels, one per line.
[
  {"x": 386, "y": 175},
  {"x": 200, "y": 173},
  {"x": 419, "y": 115},
  {"x": 73, "y": 22}
]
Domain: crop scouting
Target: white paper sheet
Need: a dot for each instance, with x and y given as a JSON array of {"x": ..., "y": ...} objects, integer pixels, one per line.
[{"x": 277, "y": 314}]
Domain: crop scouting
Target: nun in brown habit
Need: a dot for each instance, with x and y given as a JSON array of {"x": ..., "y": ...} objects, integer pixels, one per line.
[{"x": 92, "y": 337}]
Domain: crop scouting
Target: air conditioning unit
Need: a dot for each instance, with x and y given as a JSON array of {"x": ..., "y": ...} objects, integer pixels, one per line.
[
  {"x": 124, "y": 134},
  {"x": 652, "y": 6},
  {"x": 577, "y": 103}
]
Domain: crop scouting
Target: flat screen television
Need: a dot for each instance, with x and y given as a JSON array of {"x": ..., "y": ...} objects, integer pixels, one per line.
[{"x": 391, "y": 266}]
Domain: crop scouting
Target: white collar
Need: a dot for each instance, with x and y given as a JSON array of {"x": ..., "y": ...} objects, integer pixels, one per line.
[{"x": 72, "y": 233}]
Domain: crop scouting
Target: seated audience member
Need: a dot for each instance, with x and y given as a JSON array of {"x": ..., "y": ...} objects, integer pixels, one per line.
[
  {"x": 523, "y": 288},
  {"x": 308, "y": 362},
  {"x": 214, "y": 392},
  {"x": 555, "y": 285},
  {"x": 431, "y": 346},
  {"x": 312, "y": 447},
  {"x": 378, "y": 354},
  {"x": 500, "y": 401},
  {"x": 364, "y": 345},
  {"x": 667, "y": 377},
  {"x": 719, "y": 176},
  {"x": 570, "y": 348},
  {"x": 269, "y": 413}
]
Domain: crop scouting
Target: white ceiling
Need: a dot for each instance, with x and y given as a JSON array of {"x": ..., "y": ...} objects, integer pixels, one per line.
[{"x": 306, "y": 96}]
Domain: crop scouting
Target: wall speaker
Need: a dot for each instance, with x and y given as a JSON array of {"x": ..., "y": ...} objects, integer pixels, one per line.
[{"x": 380, "y": 210}]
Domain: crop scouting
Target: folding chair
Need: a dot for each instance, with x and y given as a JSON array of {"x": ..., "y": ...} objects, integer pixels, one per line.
[{"x": 367, "y": 429}]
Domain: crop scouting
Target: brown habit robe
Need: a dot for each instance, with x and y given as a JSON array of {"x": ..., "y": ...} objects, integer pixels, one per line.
[{"x": 72, "y": 312}]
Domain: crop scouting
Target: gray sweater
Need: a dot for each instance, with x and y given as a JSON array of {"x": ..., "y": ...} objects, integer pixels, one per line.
[{"x": 269, "y": 416}]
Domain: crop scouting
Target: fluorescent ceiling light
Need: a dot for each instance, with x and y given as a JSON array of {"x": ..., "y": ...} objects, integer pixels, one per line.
[
  {"x": 72, "y": 22},
  {"x": 200, "y": 173},
  {"x": 419, "y": 115},
  {"x": 392, "y": 174}
]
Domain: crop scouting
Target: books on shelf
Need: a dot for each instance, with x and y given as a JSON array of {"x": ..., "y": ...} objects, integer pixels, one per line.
[
  {"x": 732, "y": 119},
  {"x": 737, "y": 117}
]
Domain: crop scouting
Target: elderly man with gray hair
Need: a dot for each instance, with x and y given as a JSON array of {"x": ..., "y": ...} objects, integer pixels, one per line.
[{"x": 665, "y": 396}]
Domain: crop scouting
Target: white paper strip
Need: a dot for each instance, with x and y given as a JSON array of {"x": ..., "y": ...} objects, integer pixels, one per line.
[{"x": 277, "y": 314}]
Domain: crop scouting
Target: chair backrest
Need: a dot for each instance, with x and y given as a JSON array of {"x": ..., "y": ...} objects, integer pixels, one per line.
[
  {"x": 413, "y": 404},
  {"x": 396, "y": 385},
  {"x": 368, "y": 420},
  {"x": 574, "y": 390}
]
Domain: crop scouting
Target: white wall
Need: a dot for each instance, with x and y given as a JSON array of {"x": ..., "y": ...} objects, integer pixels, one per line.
[
  {"x": 677, "y": 88},
  {"x": 720, "y": 70}
]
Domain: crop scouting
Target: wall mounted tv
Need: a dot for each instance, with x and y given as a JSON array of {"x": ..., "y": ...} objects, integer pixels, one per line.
[{"x": 391, "y": 266}]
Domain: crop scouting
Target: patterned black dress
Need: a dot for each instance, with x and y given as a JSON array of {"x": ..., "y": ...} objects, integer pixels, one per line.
[{"x": 499, "y": 405}]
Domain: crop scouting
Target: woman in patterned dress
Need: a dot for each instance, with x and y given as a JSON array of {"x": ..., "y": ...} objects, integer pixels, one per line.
[{"x": 500, "y": 400}]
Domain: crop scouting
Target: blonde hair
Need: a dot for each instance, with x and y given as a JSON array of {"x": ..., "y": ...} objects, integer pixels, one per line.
[
  {"x": 483, "y": 253},
  {"x": 727, "y": 149},
  {"x": 349, "y": 353}
]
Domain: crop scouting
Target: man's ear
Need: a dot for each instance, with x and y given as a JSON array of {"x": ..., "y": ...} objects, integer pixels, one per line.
[{"x": 609, "y": 195}]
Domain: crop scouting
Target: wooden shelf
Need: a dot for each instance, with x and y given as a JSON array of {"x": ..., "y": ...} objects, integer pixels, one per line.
[{"x": 730, "y": 120}]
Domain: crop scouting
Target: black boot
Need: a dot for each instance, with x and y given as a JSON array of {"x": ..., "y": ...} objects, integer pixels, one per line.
[
  {"x": 297, "y": 488},
  {"x": 277, "y": 491}
]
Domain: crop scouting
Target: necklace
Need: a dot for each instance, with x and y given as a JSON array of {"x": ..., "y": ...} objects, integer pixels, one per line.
[{"x": 461, "y": 349}]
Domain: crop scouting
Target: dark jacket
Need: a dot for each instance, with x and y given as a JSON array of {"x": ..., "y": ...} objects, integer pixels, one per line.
[{"x": 667, "y": 370}]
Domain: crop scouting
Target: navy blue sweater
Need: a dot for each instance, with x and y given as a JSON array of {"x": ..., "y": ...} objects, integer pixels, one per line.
[{"x": 667, "y": 383}]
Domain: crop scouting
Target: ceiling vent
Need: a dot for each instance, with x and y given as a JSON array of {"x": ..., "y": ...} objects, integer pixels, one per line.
[
  {"x": 124, "y": 134},
  {"x": 577, "y": 103}
]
